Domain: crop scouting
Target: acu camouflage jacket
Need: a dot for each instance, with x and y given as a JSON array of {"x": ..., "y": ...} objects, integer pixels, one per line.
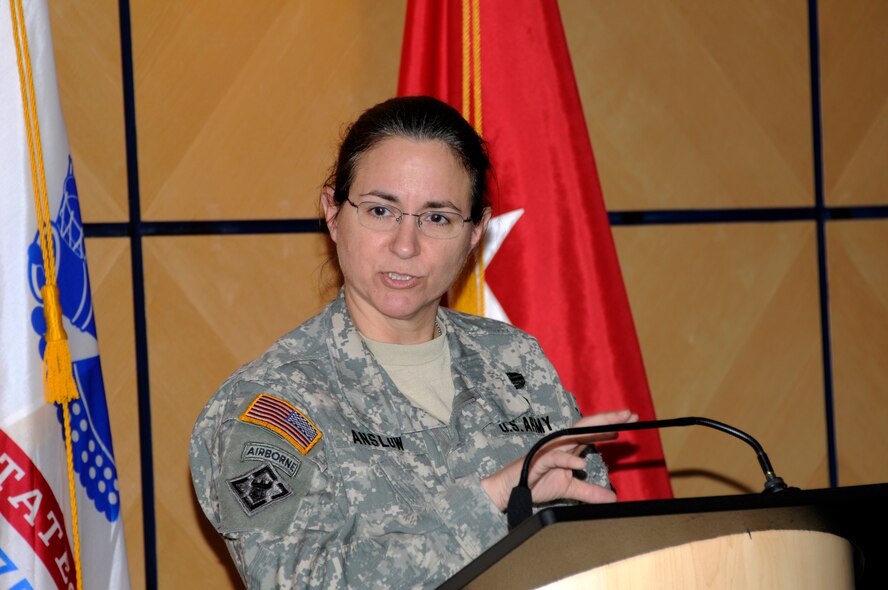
[{"x": 319, "y": 473}]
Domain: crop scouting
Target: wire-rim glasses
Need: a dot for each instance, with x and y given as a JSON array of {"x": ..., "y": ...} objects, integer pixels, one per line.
[{"x": 382, "y": 217}]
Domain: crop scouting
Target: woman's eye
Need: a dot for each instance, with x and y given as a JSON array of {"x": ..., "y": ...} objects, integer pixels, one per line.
[
  {"x": 379, "y": 211},
  {"x": 436, "y": 218}
]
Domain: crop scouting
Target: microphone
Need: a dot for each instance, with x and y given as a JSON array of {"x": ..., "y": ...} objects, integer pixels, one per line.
[{"x": 520, "y": 506}]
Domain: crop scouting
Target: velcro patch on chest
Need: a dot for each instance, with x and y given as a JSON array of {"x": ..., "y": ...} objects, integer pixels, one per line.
[
  {"x": 533, "y": 424},
  {"x": 395, "y": 443},
  {"x": 283, "y": 419}
]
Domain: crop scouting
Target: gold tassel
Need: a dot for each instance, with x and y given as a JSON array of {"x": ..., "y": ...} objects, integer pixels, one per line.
[{"x": 58, "y": 380}]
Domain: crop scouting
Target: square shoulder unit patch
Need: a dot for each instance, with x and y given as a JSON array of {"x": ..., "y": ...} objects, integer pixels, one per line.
[{"x": 258, "y": 488}]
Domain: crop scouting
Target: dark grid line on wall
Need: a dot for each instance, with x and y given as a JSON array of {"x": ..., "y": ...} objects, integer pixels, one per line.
[
  {"x": 617, "y": 218},
  {"x": 822, "y": 262},
  {"x": 135, "y": 229},
  {"x": 134, "y": 232}
]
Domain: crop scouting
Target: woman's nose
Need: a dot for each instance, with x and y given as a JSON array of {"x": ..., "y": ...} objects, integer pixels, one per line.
[{"x": 405, "y": 238}]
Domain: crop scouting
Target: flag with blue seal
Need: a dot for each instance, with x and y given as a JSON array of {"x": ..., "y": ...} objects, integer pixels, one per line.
[{"x": 37, "y": 540}]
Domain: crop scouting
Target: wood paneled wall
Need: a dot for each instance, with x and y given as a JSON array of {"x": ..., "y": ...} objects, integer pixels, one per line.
[{"x": 690, "y": 104}]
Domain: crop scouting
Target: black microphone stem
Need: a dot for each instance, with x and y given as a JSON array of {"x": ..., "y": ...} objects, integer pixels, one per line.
[{"x": 520, "y": 502}]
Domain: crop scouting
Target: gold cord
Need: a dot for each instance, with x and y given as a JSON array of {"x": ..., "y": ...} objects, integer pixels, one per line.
[{"x": 467, "y": 293}]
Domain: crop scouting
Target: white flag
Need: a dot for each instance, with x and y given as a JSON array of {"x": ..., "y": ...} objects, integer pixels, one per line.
[{"x": 36, "y": 538}]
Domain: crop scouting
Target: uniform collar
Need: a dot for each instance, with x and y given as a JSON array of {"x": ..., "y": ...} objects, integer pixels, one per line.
[{"x": 364, "y": 383}]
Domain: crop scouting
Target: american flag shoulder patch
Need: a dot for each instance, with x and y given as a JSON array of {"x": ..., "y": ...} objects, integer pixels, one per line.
[{"x": 283, "y": 419}]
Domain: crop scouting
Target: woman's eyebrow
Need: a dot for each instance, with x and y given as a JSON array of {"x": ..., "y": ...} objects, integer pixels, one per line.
[
  {"x": 397, "y": 201},
  {"x": 381, "y": 195},
  {"x": 441, "y": 205}
]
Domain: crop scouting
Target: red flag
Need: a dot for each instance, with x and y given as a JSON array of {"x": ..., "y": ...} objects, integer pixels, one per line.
[{"x": 548, "y": 264}]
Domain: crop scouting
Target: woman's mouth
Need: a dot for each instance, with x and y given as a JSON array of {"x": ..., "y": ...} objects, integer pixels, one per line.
[{"x": 396, "y": 279}]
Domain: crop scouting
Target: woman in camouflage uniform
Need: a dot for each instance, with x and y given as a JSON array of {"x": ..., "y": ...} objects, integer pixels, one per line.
[{"x": 376, "y": 444}]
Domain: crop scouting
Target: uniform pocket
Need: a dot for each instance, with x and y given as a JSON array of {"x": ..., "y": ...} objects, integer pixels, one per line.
[{"x": 389, "y": 493}]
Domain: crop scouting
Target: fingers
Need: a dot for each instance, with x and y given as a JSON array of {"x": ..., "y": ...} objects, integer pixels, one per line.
[
  {"x": 577, "y": 443},
  {"x": 602, "y": 419},
  {"x": 555, "y": 459},
  {"x": 590, "y": 493},
  {"x": 617, "y": 417},
  {"x": 553, "y": 479}
]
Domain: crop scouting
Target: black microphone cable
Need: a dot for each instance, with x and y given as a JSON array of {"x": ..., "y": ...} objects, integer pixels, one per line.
[{"x": 520, "y": 505}]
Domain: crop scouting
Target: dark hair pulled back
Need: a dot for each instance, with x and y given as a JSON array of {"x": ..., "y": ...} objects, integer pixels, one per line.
[{"x": 418, "y": 118}]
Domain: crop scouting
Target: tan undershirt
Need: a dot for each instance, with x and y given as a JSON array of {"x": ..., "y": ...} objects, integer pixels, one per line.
[{"x": 421, "y": 372}]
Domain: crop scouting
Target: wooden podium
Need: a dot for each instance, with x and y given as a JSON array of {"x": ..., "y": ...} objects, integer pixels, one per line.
[{"x": 830, "y": 539}]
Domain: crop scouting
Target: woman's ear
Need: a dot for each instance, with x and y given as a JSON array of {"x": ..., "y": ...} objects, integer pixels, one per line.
[
  {"x": 331, "y": 210},
  {"x": 478, "y": 230}
]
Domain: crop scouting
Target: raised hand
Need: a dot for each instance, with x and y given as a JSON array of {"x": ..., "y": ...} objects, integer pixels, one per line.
[{"x": 551, "y": 475}]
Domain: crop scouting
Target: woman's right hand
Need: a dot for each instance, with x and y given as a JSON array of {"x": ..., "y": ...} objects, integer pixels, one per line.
[{"x": 551, "y": 475}]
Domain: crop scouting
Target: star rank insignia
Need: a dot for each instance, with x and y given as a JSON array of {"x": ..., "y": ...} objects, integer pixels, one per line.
[{"x": 258, "y": 488}]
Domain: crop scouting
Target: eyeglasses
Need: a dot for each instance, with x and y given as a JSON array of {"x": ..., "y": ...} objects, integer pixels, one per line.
[{"x": 441, "y": 225}]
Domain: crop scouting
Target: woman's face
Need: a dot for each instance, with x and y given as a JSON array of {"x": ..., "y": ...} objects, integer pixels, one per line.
[{"x": 395, "y": 279}]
